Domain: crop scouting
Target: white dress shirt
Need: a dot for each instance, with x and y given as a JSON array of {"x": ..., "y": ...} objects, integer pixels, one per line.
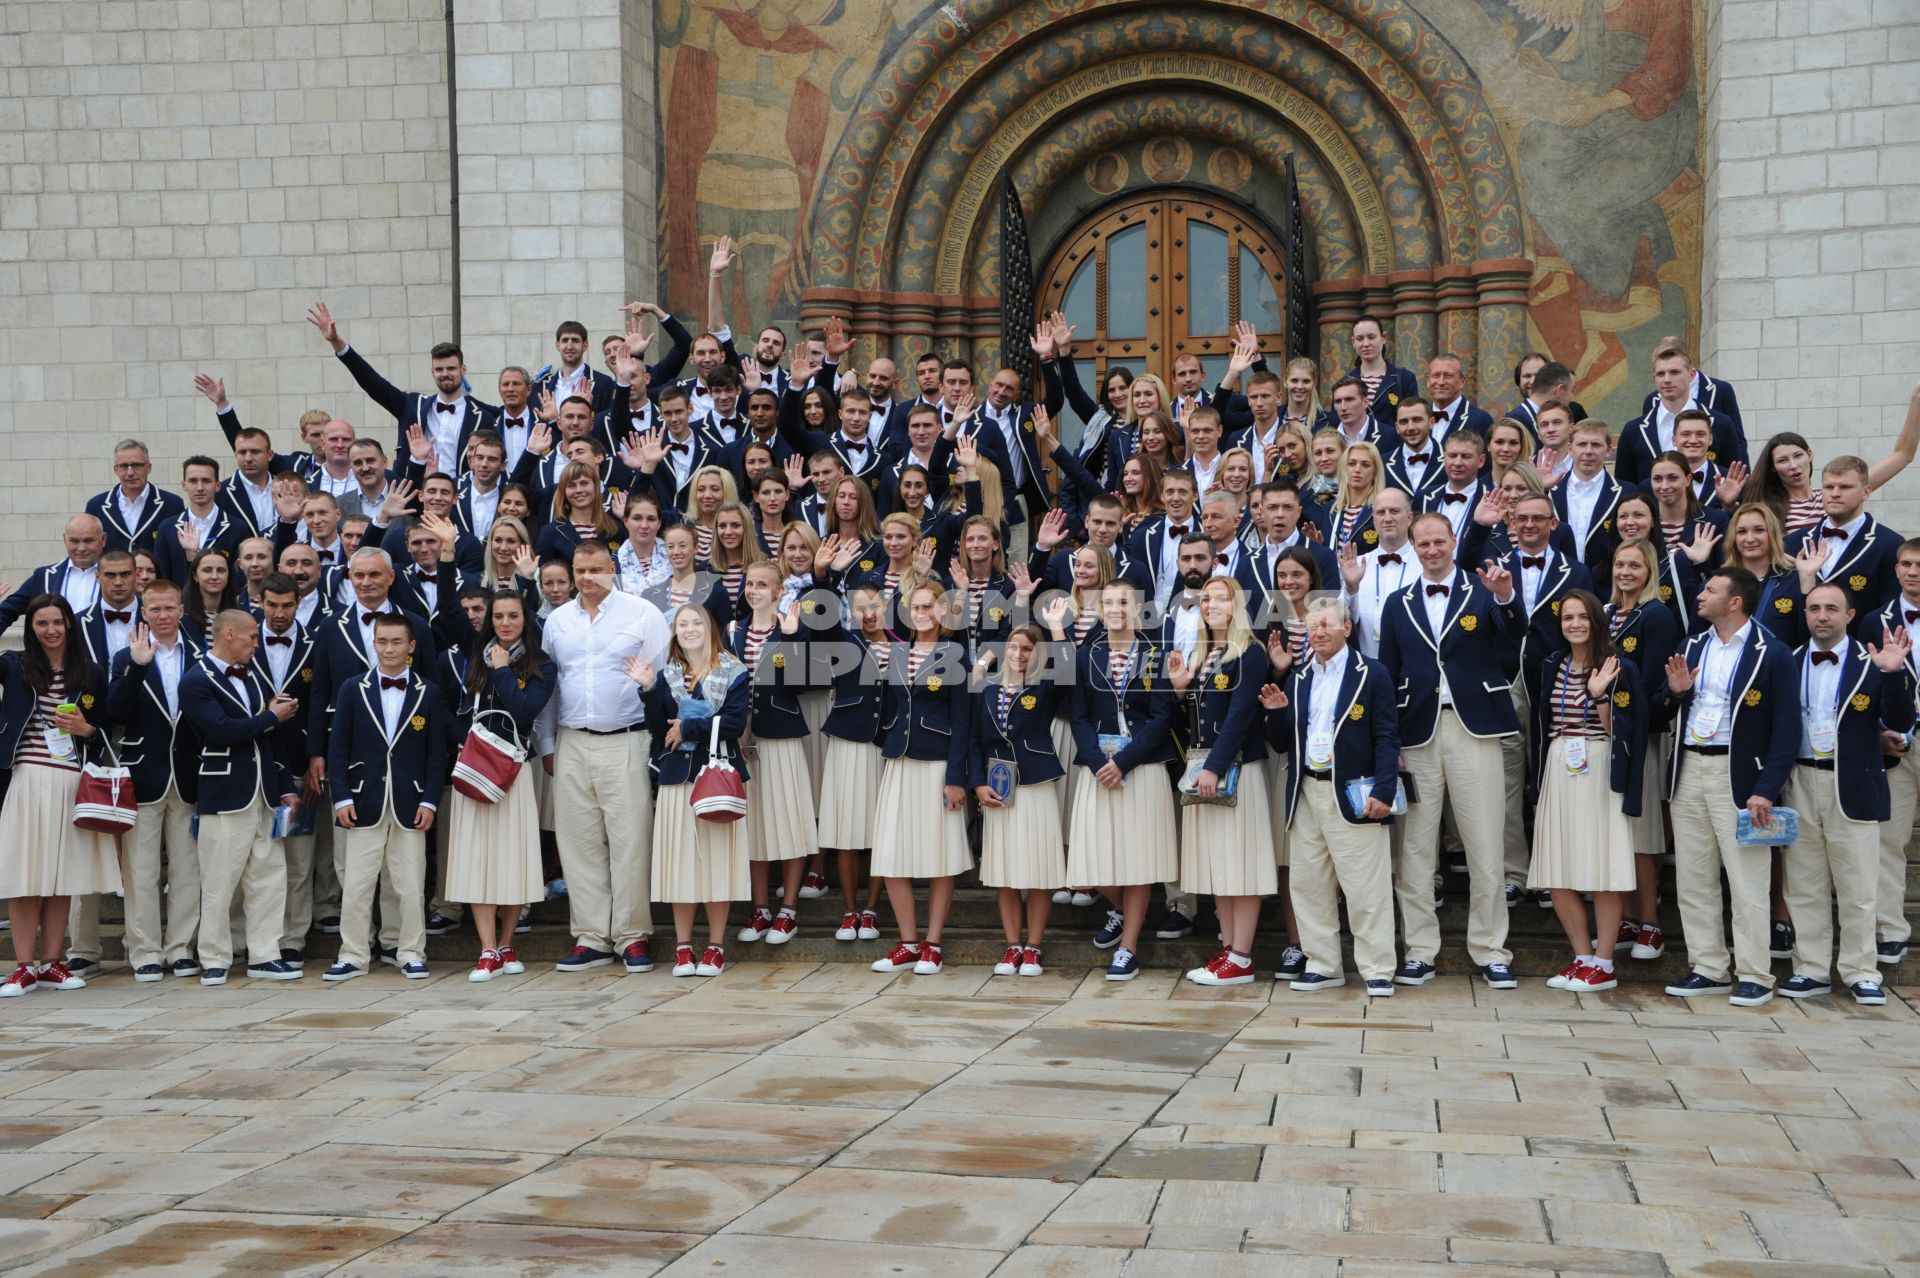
[
  {"x": 1436, "y": 606},
  {"x": 1838, "y": 546},
  {"x": 132, "y": 509},
  {"x": 444, "y": 429},
  {"x": 1531, "y": 578},
  {"x": 1323, "y": 704},
  {"x": 483, "y": 506},
  {"x": 203, "y": 525},
  {"x": 171, "y": 662},
  {"x": 119, "y": 632},
  {"x": 1008, "y": 419},
  {"x": 1713, "y": 690},
  {"x": 591, "y": 654},
  {"x": 1820, "y": 697},
  {"x": 1663, "y": 422},
  {"x": 308, "y": 605},
  {"x": 393, "y": 704},
  {"x": 279, "y": 655},
  {"x": 1186, "y": 629},
  {"x": 513, "y": 433},
  {"x": 1457, "y": 512},
  {"x": 1583, "y": 499},
  {"x": 80, "y": 586},
  {"x": 260, "y": 500},
  {"x": 1379, "y": 582},
  {"x": 1203, "y": 473},
  {"x": 360, "y": 614},
  {"x": 336, "y": 487},
  {"x": 680, "y": 458}
]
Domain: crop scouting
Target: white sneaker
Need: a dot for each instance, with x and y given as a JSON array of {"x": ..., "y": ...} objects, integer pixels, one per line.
[
  {"x": 1009, "y": 964},
  {"x": 1222, "y": 971},
  {"x": 1063, "y": 897},
  {"x": 1083, "y": 899},
  {"x": 930, "y": 960}
]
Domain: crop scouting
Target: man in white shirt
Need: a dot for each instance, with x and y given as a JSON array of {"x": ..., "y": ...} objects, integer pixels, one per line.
[
  {"x": 320, "y": 516},
  {"x": 1460, "y": 494},
  {"x": 1390, "y": 567},
  {"x": 333, "y": 475},
  {"x": 76, "y": 578},
  {"x": 1203, "y": 447},
  {"x": 1350, "y": 412},
  {"x": 479, "y": 488},
  {"x": 370, "y": 473},
  {"x": 603, "y": 799},
  {"x": 1586, "y": 496}
]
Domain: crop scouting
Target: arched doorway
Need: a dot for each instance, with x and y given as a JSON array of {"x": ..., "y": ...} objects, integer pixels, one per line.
[{"x": 1156, "y": 276}]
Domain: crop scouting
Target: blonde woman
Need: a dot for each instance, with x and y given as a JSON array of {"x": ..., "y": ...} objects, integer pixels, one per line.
[
  {"x": 1301, "y": 408},
  {"x": 735, "y": 547},
  {"x": 1360, "y": 472},
  {"x": 710, "y": 488},
  {"x": 1645, "y": 632},
  {"x": 579, "y": 513},
  {"x": 1506, "y": 446},
  {"x": 1324, "y": 451}
]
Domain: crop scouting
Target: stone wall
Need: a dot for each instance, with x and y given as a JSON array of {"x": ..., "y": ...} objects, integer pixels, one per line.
[{"x": 1813, "y": 221}]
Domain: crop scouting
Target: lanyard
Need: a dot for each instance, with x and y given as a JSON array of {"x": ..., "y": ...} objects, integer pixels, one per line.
[
  {"x": 1566, "y": 694},
  {"x": 1006, "y": 707},
  {"x": 1806, "y": 688},
  {"x": 1733, "y": 675},
  {"x": 1120, "y": 685}
]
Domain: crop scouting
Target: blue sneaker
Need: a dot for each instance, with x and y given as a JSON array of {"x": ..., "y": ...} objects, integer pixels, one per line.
[
  {"x": 1804, "y": 987},
  {"x": 1890, "y": 953},
  {"x": 1381, "y": 988},
  {"x": 1695, "y": 985},
  {"x": 390, "y": 957},
  {"x": 213, "y": 976},
  {"x": 147, "y": 973},
  {"x": 1293, "y": 962},
  {"x": 1109, "y": 934},
  {"x": 1308, "y": 981},
  {"x": 1125, "y": 965},
  {"x": 1780, "y": 941},
  {"x": 1173, "y": 925},
  {"x": 1751, "y": 994},
  {"x": 1868, "y": 993},
  {"x": 637, "y": 956},
  {"x": 414, "y": 970},
  {"x": 1499, "y": 977},
  {"x": 184, "y": 968},
  {"x": 342, "y": 972},
  {"x": 557, "y": 890},
  {"x": 1414, "y": 972},
  {"x": 278, "y": 970},
  {"x": 581, "y": 957}
]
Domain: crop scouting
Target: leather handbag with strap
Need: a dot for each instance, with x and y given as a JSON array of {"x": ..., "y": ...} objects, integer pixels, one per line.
[
  {"x": 489, "y": 763},
  {"x": 104, "y": 801},
  {"x": 718, "y": 793}
]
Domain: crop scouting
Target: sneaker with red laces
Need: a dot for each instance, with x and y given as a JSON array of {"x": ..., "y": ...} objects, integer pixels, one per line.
[
  {"x": 55, "y": 976},
  {"x": 1559, "y": 982},
  {"x": 902, "y": 958},
  {"x": 1591, "y": 978},
  {"x": 812, "y": 885},
  {"x": 784, "y": 926},
  {"x": 637, "y": 957},
  {"x": 930, "y": 960},
  {"x": 712, "y": 963},
  {"x": 849, "y": 928},
  {"x": 485, "y": 966},
  {"x": 1030, "y": 961},
  {"x": 758, "y": 924},
  {"x": 21, "y": 982},
  {"x": 683, "y": 964},
  {"x": 1009, "y": 964},
  {"x": 510, "y": 964},
  {"x": 1222, "y": 970},
  {"x": 1629, "y": 933},
  {"x": 869, "y": 926},
  {"x": 1650, "y": 944}
]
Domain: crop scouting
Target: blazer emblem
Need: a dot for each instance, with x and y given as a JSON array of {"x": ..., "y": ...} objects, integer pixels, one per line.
[
  {"x": 1469, "y": 622},
  {"x": 1753, "y": 697},
  {"x": 1860, "y": 701}
]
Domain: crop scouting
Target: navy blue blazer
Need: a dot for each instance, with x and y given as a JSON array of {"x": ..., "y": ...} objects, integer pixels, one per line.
[
  {"x": 1766, "y": 716},
  {"x": 1026, "y": 736},
  {"x": 1054, "y": 569},
  {"x": 369, "y": 769},
  {"x": 93, "y": 630},
  {"x": 1362, "y": 533},
  {"x": 240, "y": 744},
  {"x": 1645, "y": 635},
  {"x": 1366, "y": 734},
  {"x": 290, "y": 738},
  {"x": 409, "y": 408},
  {"x": 718, "y": 603},
  {"x": 599, "y": 387},
  {"x": 1627, "y": 749},
  {"x": 844, "y": 661},
  {"x": 505, "y": 693},
  {"x": 1864, "y": 568},
  {"x": 1224, "y": 711},
  {"x": 1461, "y": 414},
  {"x": 996, "y": 619},
  {"x": 156, "y": 745},
  {"x": 1325, "y": 562},
  {"x": 929, "y": 717},
  {"x": 666, "y": 484},
  {"x": 1479, "y": 642},
  {"x": 680, "y": 765},
  {"x": 1397, "y": 384},
  {"x": 170, "y": 558},
  {"x": 992, "y": 442},
  {"x": 775, "y": 688},
  {"x": 1432, "y": 479},
  {"x": 1597, "y": 552},
  {"x": 1542, "y": 637},
  {"x": 1869, "y": 701},
  {"x": 41, "y": 581},
  {"x": 156, "y": 517},
  {"x": 338, "y": 660},
  {"x": 1146, "y": 699},
  {"x": 1639, "y": 444},
  {"x": 1716, "y": 397},
  {"x": 17, "y": 703}
]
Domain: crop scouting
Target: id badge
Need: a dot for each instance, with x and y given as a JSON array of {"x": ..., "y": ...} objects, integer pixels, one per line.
[
  {"x": 1821, "y": 736},
  {"x": 1319, "y": 750},
  {"x": 59, "y": 744},
  {"x": 1575, "y": 753},
  {"x": 1702, "y": 724}
]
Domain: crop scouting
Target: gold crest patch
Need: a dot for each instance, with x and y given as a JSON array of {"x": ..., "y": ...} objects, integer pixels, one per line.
[
  {"x": 808, "y": 605},
  {"x": 996, "y": 615},
  {"x": 1753, "y": 697},
  {"x": 1370, "y": 536},
  {"x": 1783, "y": 605},
  {"x": 1469, "y": 622},
  {"x": 1556, "y": 607},
  {"x": 1393, "y": 397},
  {"x": 306, "y": 676},
  {"x": 86, "y": 701},
  {"x": 1861, "y": 701},
  {"x": 935, "y": 684},
  {"x": 1856, "y": 582},
  {"x": 419, "y": 723},
  {"x": 1712, "y": 455},
  {"x": 522, "y": 683},
  {"x": 1220, "y": 682},
  {"x": 1630, "y": 644},
  {"x": 1029, "y": 702},
  {"x": 1666, "y": 594},
  {"x": 1621, "y": 698},
  {"x": 866, "y": 565},
  {"x": 1358, "y": 713}
]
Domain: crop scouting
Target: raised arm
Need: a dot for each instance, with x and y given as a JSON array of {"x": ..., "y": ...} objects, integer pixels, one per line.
[
  {"x": 1904, "y": 445},
  {"x": 378, "y": 389}
]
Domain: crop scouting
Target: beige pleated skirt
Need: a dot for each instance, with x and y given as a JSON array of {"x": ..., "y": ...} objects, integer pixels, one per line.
[
  {"x": 1649, "y": 831},
  {"x": 1276, "y": 770},
  {"x": 1020, "y": 846},
  {"x": 814, "y": 707},
  {"x": 780, "y": 820},
  {"x": 1226, "y": 851},
  {"x": 1067, "y": 752},
  {"x": 1582, "y": 841},
  {"x": 542, "y": 791},
  {"x": 493, "y": 849},
  {"x": 695, "y": 860},
  {"x": 41, "y": 853},
  {"x": 1124, "y": 836},
  {"x": 914, "y": 836},
  {"x": 851, "y": 786}
]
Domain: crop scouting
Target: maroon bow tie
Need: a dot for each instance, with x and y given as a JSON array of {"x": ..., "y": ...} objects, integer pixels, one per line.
[
  {"x": 1387, "y": 557},
  {"x": 1839, "y": 534},
  {"x": 1820, "y": 657},
  {"x": 1439, "y": 590},
  {"x": 1699, "y": 476},
  {"x": 679, "y": 448},
  {"x": 280, "y": 640},
  {"x": 1422, "y": 458},
  {"x": 236, "y": 672},
  {"x": 856, "y": 448},
  {"x": 1450, "y": 498},
  {"x": 1533, "y": 561},
  {"x": 1913, "y": 615},
  {"x": 368, "y": 618},
  {"x": 439, "y": 407},
  {"x": 1220, "y": 559},
  {"x": 118, "y": 618},
  {"x": 386, "y": 683},
  {"x": 1176, "y": 530},
  {"x": 325, "y": 556}
]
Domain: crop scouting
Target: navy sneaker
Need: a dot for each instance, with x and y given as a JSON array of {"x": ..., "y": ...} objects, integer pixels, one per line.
[
  {"x": 184, "y": 968},
  {"x": 1780, "y": 940},
  {"x": 1543, "y": 899},
  {"x": 1695, "y": 985},
  {"x": 1293, "y": 961},
  {"x": 1414, "y": 972},
  {"x": 1751, "y": 994},
  {"x": 1868, "y": 993},
  {"x": 83, "y": 966},
  {"x": 1499, "y": 977},
  {"x": 330, "y": 925},
  {"x": 1890, "y": 953},
  {"x": 146, "y": 972},
  {"x": 342, "y": 972},
  {"x": 1173, "y": 926},
  {"x": 1804, "y": 987},
  {"x": 525, "y": 923},
  {"x": 637, "y": 956},
  {"x": 1125, "y": 965},
  {"x": 1513, "y": 895},
  {"x": 1380, "y": 988},
  {"x": 274, "y": 971},
  {"x": 1109, "y": 934},
  {"x": 580, "y": 958},
  {"x": 214, "y": 976},
  {"x": 1309, "y": 981},
  {"x": 441, "y": 925},
  {"x": 390, "y": 957},
  {"x": 414, "y": 970}
]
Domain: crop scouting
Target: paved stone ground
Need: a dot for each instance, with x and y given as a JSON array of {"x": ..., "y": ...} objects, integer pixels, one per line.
[{"x": 792, "y": 1120}]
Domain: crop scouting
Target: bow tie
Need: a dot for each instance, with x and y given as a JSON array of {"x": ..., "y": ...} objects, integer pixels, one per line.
[
  {"x": 439, "y": 407},
  {"x": 368, "y": 618},
  {"x": 1387, "y": 557},
  {"x": 1837, "y": 533},
  {"x": 400, "y": 683},
  {"x": 1699, "y": 476},
  {"x": 1533, "y": 561},
  {"x": 1220, "y": 559},
  {"x": 1820, "y": 657},
  {"x": 236, "y": 672},
  {"x": 1450, "y": 498},
  {"x": 1913, "y": 615},
  {"x": 285, "y": 641},
  {"x": 1176, "y": 530},
  {"x": 1439, "y": 590},
  {"x": 118, "y": 618},
  {"x": 1421, "y": 458},
  {"x": 856, "y": 448},
  {"x": 679, "y": 448}
]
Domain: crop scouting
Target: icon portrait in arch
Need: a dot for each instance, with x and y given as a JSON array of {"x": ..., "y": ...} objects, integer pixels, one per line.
[
  {"x": 1107, "y": 173},
  {"x": 1229, "y": 168},
  {"x": 1167, "y": 159}
]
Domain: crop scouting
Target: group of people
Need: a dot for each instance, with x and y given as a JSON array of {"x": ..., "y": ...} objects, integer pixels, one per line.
[{"x": 683, "y": 636}]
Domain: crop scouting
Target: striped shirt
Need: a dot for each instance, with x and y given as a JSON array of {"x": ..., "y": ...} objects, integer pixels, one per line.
[
  {"x": 33, "y": 742},
  {"x": 1573, "y": 712}
]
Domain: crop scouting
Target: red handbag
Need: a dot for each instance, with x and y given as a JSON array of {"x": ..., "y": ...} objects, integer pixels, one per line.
[
  {"x": 718, "y": 794},
  {"x": 104, "y": 801},
  {"x": 488, "y": 763}
]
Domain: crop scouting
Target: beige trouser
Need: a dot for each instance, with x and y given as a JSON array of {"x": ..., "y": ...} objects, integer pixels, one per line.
[
  {"x": 1703, "y": 845},
  {"x": 304, "y": 853},
  {"x": 603, "y": 819},
  {"x": 1896, "y": 835},
  {"x": 1469, "y": 767},
  {"x": 388, "y": 852},
  {"x": 1833, "y": 859},
  {"x": 440, "y": 905},
  {"x": 1330, "y": 857},
  {"x": 239, "y": 855},
  {"x": 1513, "y": 759},
  {"x": 326, "y": 865},
  {"x": 167, "y": 821},
  {"x": 389, "y": 895}
]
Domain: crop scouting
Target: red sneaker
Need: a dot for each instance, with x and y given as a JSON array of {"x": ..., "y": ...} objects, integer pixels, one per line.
[
  {"x": 55, "y": 976},
  {"x": 1030, "y": 961},
  {"x": 1628, "y": 934},
  {"x": 1650, "y": 944},
  {"x": 930, "y": 960},
  {"x": 902, "y": 957},
  {"x": 1559, "y": 982},
  {"x": 813, "y": 885},
  {"x": 784, "y": 926},
  {"x": 712, "y": 963},
  {"x": 1009, "y": 964},
  {"x": 869, "y": 926},
  {"x": 510, "y": 962},
  {"x": 21, "y": 982},
  {"x": 1592, "y": 978},
  {"x": 683, "y": 963},
  {"x": 757, "y": 925},
  {"x": 849, "y": 928},
  {"x": 484, "y": 967}
]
